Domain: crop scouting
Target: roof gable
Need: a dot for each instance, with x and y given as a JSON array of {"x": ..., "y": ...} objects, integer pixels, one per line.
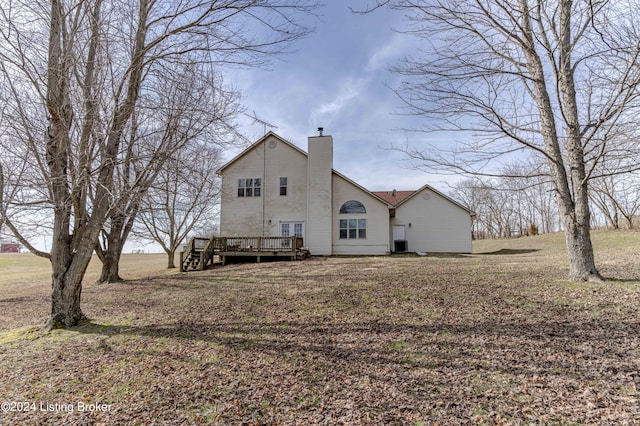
[
  {"x": 284, "y": 141},
  {"x": 257, "y": 143},
  {"x": 430, "y": 188}
]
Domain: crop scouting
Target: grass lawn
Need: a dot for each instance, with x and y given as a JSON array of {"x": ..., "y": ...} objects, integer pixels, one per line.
[{"x": 497, "y": 337}]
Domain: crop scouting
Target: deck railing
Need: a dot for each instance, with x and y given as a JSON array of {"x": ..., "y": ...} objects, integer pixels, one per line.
[
  {"x": 258, "y": 244},
  {"x": 204, "y": 249}
]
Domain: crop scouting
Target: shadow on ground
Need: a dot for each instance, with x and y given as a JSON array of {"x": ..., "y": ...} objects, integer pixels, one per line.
[{"x": 511, "y": 251}]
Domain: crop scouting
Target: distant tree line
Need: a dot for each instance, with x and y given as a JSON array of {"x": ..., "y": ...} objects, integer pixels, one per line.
[{"x": 508, "y": 207}]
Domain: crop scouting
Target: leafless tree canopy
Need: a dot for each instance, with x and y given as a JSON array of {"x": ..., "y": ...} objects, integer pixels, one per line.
[
  {"x": 83, "y": 80},
  {"x": 181, "y": 200},
  {"x": 483, "y": 66},
  {"x": 551, "y": 81},
  {"x": 194, "y": 114}
]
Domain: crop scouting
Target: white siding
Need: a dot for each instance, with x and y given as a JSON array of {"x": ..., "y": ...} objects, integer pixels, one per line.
[
  {"x": 319, "y": 191},
  {"x": 434, "y": 224},
  {"x": 377, "y": 215},
  {"x": 260, "y": 216}
]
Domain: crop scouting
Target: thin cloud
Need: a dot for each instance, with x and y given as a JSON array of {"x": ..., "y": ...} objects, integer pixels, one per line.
[
  {"x": 336, "y": 80},
  {"x": 393, "y": 50},
  {"x": 349, "y": 91}
]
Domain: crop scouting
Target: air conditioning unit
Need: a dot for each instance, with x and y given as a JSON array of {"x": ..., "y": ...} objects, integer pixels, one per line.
[{"x": 399, "y": 246}]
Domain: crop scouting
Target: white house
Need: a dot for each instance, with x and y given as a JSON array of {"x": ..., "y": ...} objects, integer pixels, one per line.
[{"x": 274, "y": 188}]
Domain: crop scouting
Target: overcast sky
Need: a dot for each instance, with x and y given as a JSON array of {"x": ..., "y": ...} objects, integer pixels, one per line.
[{"x": 337, "y": 79}]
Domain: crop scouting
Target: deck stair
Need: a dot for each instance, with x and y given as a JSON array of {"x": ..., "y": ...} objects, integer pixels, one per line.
[{"x": 197, "y": 254}]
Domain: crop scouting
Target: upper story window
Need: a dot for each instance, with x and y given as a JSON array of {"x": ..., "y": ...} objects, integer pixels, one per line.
[
  {"x": 249, "y": 187},
  {"x": 283, "y": 186},
  {"x": 352, "y": 206}
]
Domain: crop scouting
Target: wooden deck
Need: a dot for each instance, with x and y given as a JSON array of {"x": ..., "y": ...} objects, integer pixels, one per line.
[{"x": 200, "y": 252}]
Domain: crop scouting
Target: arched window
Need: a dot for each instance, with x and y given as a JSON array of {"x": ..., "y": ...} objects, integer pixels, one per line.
[{"x": 352, "y": 206}]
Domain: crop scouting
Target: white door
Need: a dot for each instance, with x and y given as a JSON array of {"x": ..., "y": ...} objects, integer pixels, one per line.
[
  {"x": 399, "y": 233},
  {"x": 285, "y": 229},
  {"x": 290, "y": 229},
  {"x": 399, "y": 238}
]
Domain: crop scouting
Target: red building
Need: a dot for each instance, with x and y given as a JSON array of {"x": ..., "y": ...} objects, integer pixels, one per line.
[{"x": 10, "y": 248}]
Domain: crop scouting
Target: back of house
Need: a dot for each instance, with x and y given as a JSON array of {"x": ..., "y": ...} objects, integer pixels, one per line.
[{"x": 274, "y": 188}]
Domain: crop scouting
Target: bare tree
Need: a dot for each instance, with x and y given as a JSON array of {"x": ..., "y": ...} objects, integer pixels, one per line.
[
  {"x": 617, "y": 196},
  {"x": 507, "y": 207},
  {"x": 553, "y": 80},
  {"x": 79, "y": 66},
  {"x": 196, "y": 107},
  {"x": 183, "y": 199},
  {"x": 530, "y": 197},
  {"x": 478, "y": 195},
  {"x": 603, "y": 195}
]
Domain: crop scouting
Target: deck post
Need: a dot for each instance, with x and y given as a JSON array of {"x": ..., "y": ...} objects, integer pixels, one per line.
[
  {"x": 292, "y": 244},
  {"x": 181, "y": 261}
]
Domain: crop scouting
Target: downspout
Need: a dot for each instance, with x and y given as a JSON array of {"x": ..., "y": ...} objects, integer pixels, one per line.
[{"x": 263, "y": 193}]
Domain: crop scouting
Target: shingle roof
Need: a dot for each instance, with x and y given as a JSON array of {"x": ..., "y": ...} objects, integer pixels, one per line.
[{"x": 394, "y": 197}]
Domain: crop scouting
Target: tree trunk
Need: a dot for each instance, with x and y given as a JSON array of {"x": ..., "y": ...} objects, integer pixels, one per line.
[
  {"x": 110, "y": 254},
  {"x": 65, "y": 301},
  {"x": 69, "y": 258},
  {"x": 170, "y": 259},
  {"x": 582, "y": 265},
  {"x": 575, "y": 214},
  {"x": 66, "y": 281},
  {"x": 111, "y": 265},
  {"x": 119, "y": 229},
  {"x": 571, "y": 184}
]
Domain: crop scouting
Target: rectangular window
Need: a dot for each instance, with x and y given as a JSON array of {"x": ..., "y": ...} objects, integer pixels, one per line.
[
  {"x": 353, "y": 229},
  {"x": 240, "y": 187},
  {"x": 283, "y": 186},
  {"x": 248, "y": 192},
  {"x": 362, "y": 228},
  {"x": 343, "y": 228},
  {"x": 249, "y": 187}
]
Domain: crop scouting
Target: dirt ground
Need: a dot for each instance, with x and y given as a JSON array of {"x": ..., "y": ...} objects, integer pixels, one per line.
[{"x": 497, "y": 337}]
